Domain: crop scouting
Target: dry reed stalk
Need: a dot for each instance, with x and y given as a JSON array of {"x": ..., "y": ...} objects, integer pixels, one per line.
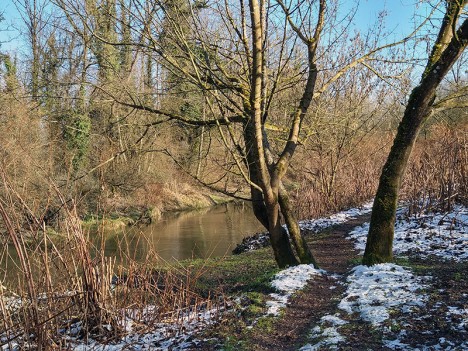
[
  {"x": 76, "y": 283},
  {"x": 31, "y": 312}
]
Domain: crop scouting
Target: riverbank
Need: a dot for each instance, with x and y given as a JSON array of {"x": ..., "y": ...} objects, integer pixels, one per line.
[
  {"x": 407, "y": 299},
  {"x": 172, "y": 199},
  {"x": 244, "y": 302},
  {"x": 417, "y": 303}
]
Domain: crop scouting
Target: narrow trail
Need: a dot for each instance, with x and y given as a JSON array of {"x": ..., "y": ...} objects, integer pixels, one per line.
[{"x": 335, "y": 254}]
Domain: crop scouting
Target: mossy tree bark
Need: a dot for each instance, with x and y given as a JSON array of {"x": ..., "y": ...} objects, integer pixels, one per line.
[
  {"x": 266, "y": 174},
  {"x": 446, "y": 50},
  {"x": 302, "y": 249},
  {"x": 267, "y": 214}
]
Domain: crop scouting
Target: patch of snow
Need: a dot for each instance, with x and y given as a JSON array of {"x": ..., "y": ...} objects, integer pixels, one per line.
[
  {"x": 331, "y": 338},
  {"x": 458, "y": 318},
  {"x": 338, "y": 218},
  {"x": 396, "y": 345},
  {"x": 287, "y": 282},
  {"x": 333, "y": 320},
  {"x": 442, "y": 234},
  {"x": 326, "y": 334},
  {"x": 446, "y": 345},
  {"x": 176, "y": 336},
  {"x": 373, "y": 291},
  {"x": 277, "y": 303},
  {"x": 12, "y": 346}
]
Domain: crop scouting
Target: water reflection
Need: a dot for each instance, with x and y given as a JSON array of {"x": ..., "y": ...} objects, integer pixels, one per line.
[{"x": 198, "y": 234}]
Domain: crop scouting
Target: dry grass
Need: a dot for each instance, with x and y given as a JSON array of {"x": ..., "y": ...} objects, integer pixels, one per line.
[{"x": 50, "y": 287}]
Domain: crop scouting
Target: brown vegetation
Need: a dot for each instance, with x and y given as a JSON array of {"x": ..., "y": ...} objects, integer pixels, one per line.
[
  {"x": 124, "y": 109},
  {"x": 53, "y": 289}
]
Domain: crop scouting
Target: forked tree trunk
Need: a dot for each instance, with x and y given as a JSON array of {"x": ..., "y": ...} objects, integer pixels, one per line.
[
  {"x": 447, "y": 49},
  {"x": 269, "y": 200},
  {"x": 279, "y": 238},
  {"x": 267, "y": 215}
]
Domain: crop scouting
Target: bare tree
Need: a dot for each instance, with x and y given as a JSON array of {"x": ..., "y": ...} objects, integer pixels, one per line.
[
  {"x": 239, "y": 57},
  {"x": 35, "y": 19},
  {"x": 449, "y": 45}
]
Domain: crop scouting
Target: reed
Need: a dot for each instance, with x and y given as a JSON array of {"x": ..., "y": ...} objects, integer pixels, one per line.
[{"x": 55, "y": 291}]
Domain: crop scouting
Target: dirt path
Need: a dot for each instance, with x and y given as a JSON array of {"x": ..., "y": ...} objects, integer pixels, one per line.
[
  {"x": 335, "y": 254},
  {"x": 440, "y": 322}
]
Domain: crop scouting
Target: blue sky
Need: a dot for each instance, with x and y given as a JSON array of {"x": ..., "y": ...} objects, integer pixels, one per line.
[
  {"x": 400, "y": 14},
  {"x": 399, "y": 19},
  {"x": 9, "y": 37}
]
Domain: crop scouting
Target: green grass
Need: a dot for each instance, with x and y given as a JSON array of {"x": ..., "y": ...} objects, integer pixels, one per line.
[
  {"x": 246, "y": 279},
  {"x": 249, "y": 272},
  {"x": 355, "y": 261},
  {"x": 417, "y": 266}
]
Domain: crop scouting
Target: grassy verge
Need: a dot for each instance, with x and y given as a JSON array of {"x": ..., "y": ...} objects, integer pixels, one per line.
[{"x": 248, "y": 272}]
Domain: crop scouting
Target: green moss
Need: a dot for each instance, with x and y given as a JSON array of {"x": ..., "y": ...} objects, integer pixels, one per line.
[
  {"x": 232, "y": 343},
  {"x": 77, "y": 136},
  {"x": 415, "y": 266},
  {"x": 219, "y": 199},
  {"x": 265, "y": 325},
  {"x": 256, "y": 304},
  {"x": 53, "y": 234},
  {"x": 256, "y": 298},
  {"x": 372, "y": 259},
  {"x": 106, "y": 223},
  {"x": 355, "y": 261}
]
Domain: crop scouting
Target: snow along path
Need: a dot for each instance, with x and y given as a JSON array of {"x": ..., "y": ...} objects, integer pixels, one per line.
[
  {"x": 287, "y": 282},
  {"x": 372, "y": 293},
  {"x": 441, "y": 234},
  {"x": 260, "y": 240},
  {"x": 317, "y": 225},
  {"x": 326, "y": 334}
]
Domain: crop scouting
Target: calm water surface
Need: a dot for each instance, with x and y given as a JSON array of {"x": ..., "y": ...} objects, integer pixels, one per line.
[{"x": 196, "y": 234}]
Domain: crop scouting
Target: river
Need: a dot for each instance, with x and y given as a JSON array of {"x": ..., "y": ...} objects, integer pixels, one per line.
[
  {"x": 204, "y": 233},
  {"x": 210, "y": 232}
]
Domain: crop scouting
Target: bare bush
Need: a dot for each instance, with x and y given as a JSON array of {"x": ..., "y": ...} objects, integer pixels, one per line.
[
  {"x": 325, "y": 186},
  {"x": 437, "y": 174}
]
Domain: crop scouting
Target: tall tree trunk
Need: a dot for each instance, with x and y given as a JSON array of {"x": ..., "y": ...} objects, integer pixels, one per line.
[
  {"x": 254, "y": 132},
  {"x": 447, "y": 49}
]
